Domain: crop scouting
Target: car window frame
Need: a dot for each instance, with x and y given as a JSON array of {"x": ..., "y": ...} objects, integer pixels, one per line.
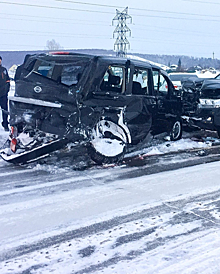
[
  {"x": 123, "y": 86},
  {"x": 146, "y": 69},
  {"x": 57, "y": 80},
  {"x": 168, "y": 81}
]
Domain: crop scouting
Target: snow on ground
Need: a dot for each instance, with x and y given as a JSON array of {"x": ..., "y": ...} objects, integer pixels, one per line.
[
  {"x": 144, "y": 233},
  {"x": 168, "y": 146}
]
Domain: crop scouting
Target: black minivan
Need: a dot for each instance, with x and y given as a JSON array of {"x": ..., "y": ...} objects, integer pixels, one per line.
[{"x": 107, "y": 103}]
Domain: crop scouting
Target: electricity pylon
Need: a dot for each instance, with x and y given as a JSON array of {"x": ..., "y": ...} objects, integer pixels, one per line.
[{"x": 121, "y": 30}]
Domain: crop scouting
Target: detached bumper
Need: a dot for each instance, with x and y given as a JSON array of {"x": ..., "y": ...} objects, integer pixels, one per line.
[{"x": 32, "y": 154}]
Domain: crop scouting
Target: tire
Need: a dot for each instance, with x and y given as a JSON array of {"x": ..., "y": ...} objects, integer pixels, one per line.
[
  {"x": 108, "y": 143},
  {"x": 176, "y": 130}
]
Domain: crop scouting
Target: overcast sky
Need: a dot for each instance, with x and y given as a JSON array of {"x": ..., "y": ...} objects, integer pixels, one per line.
[{"x": 173, "y": 27}]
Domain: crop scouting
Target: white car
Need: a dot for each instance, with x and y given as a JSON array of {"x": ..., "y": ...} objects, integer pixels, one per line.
[{"x": 178, "y": 77}]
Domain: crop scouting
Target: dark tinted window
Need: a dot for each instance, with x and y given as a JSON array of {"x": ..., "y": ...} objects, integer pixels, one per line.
[
  {"x": 71, "y": 74},
  {"x": 181, "y": 77},
  {"x": 65, "y": 73}
]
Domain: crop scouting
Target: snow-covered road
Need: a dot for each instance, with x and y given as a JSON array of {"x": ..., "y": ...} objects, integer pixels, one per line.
[
  {"x": 90, "y": 222},
  {"x": 122, "y": 219}
]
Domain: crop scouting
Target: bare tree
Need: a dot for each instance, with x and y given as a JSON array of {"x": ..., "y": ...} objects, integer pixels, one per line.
[{"x": 53, "y": 45}]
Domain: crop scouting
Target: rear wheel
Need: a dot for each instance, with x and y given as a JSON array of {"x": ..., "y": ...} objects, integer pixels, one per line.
[
  {"x": 176, "y": 130},
  {"x": 108, "y": 143}
]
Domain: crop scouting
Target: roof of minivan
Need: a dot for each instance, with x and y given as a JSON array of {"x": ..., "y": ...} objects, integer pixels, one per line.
[{"x": 105, "y": 58}]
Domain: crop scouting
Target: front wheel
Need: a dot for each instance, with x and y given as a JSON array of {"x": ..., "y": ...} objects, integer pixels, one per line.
[
  {"x": 108, "y": 143},
  {"x": 176, "y": 130}
]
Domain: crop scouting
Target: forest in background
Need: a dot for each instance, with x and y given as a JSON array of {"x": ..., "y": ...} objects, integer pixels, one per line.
[{"x": 16, "y": 57}]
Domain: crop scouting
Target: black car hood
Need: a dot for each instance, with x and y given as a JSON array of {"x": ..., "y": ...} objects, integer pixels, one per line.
[{"x": 210, "y": 89}]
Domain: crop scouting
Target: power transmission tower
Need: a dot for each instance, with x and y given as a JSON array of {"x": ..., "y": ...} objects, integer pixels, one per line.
[{"x": 121, "y": 30}]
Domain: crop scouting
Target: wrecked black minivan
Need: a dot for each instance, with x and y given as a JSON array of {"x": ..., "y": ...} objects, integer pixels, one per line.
[{"x": 106, "y": 103}]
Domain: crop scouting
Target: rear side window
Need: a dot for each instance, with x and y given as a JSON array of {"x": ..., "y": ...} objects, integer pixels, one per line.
[
  {"x": 140, "y": 82},
  {"x": 160, "y": 83},
  {"x": 71, "y": 74},
  {"x": 113, "y": 80},
  {"x": 163, "y": 85}
]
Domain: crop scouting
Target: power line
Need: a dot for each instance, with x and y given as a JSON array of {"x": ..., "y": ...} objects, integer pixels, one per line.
[
  {"x": 90, "y": 4},
  {"x": 46, "y": 17},
  {"x": 154, "y": 29},
  {"x": 203, "y": 2},
  {"x": 102, "y": 25},
  {"x": 138, "y": 9},
  {"x": 175, "y": 31},
  {"x": 84, "y": 36},
  {"x": 152, "y": 40},
  {"x": 21, "y": 32},
  {"x": 40, "y": 33},
  {"x": 49, "y": 21},
  {"x": 105, "y": 12},
  {"x": 177, "y": 18},
  {"x": 52, "y": 7},
  {"x": 34, "y": 46}
]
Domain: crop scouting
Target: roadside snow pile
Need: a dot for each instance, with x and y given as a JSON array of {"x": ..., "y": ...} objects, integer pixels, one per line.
[{"x": 183, "y": 144}]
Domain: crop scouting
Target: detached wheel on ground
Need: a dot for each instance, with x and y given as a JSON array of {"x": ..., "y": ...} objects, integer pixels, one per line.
[
  {"x": 176, "y": 130},
  {"x": 108, "y": 143}
]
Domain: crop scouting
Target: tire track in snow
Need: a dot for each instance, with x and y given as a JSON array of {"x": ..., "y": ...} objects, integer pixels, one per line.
[{"x": 134, "y": 227}]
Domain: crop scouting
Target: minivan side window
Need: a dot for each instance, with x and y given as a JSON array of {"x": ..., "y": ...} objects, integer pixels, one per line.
[
  {"x": 156, "y": 79},
  {"x": 160, "y": 83},
  {"x": 113, "y": 80},
  {"x": 140, "y": 82},
  {"x": 163, "y": 85}
]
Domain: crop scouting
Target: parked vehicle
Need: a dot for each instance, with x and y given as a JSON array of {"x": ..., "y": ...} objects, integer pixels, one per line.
[
  {"x": 108, "y": 104},
  {"x": 178, "y": 77}
]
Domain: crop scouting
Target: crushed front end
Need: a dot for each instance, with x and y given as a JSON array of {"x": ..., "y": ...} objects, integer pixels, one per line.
[{"x": 201, "y": 99}]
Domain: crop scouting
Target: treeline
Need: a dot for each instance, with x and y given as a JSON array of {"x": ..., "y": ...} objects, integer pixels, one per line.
[
  {"x": 186, "y": 61},
  {"x": 16, "y": 57}
]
